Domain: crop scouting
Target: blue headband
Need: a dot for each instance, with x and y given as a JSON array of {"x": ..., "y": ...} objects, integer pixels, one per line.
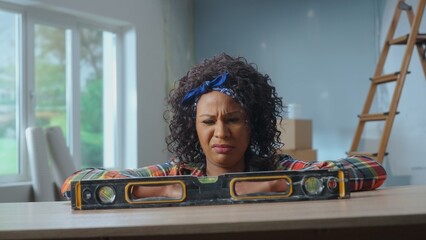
[{"x": 212, "y": 85}]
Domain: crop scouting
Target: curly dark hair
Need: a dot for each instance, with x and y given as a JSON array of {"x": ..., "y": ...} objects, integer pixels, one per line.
[{"x": 257, "y": 97}]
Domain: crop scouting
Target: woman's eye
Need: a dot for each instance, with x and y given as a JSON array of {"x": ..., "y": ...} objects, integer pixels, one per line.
[
  {"x": 234, "y": 120},
  {"x": 208, "y": 122}
]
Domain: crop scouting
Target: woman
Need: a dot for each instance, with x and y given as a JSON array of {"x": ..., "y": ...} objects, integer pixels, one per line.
[{"x": 223, "y": 118}]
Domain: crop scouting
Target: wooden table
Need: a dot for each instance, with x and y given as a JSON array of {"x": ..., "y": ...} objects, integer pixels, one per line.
[{"x": 389, "y": 213}]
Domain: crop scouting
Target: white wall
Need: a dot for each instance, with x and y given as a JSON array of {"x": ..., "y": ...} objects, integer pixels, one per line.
[
  {"x": 159, "y": 34},
  {"x": 152, "y": 21},
  {"x": 145, "y": 143}
]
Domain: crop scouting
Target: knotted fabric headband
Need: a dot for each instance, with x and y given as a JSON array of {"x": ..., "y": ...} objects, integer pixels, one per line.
[{"x": 216, "y": 84}]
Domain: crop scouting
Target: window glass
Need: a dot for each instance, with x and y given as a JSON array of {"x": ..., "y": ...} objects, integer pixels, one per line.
[
  {"x": 9, "y": 145},
  {"x": 50, "y": 76},
  {"x": 54, "y": 87},
  {"x": 97, "y": 97}
]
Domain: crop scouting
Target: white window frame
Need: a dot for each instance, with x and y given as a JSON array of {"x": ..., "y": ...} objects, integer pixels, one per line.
[{"x": 25, "y": 65}]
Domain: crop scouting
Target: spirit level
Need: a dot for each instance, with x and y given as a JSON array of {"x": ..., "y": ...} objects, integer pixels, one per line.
[{"x": 231, "y": 188}]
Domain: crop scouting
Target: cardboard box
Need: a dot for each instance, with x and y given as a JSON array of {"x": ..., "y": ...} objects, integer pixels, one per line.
[
  {"x": 296, "y": 133},
  {"x": 308, "y": 155}
]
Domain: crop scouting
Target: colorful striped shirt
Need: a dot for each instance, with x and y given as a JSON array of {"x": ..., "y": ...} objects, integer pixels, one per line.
[{"x": 364, "y": 173}]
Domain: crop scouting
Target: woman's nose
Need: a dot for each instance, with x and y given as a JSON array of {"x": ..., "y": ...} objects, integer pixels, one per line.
[{"x": 221, "y": 130}]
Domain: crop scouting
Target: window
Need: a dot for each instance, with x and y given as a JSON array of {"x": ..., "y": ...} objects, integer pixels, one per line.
[
  {"x": 97, "y": 90},
  {"x": 50, "y": 76},
  {"x": 71, "y": 81},
  {"x": 9, "y": 143}
]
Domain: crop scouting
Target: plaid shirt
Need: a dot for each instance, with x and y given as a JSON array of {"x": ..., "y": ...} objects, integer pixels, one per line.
[{"x": 364, "y": 173}]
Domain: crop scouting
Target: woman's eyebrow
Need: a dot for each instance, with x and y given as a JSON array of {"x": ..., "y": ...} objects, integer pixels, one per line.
[
  {"x": 206, "y": 115},
  {"x": 226, "y": 113},
  {"x": 233, "y": 113}
]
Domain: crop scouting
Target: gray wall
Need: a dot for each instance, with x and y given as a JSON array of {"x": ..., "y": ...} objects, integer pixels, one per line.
[
  {"x": 321, "y": 54},
  {"x": 406, "y": 161}
]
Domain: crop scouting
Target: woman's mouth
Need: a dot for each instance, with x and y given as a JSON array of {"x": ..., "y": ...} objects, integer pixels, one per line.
[{"x": 222, "y": 148}]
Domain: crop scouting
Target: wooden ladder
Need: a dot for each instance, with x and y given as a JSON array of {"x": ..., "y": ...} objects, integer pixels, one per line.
[{"x": 414, "y": 38}]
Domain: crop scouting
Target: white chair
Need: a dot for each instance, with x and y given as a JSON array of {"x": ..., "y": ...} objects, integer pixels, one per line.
[
  {"x": 39, "y": 164},
  {"x": 48, "y": 155},
  {"x": 62, "y": 164}
]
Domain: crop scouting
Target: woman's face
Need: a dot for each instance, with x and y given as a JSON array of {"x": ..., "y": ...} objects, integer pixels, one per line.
[{"x": 223, "y": 132}]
